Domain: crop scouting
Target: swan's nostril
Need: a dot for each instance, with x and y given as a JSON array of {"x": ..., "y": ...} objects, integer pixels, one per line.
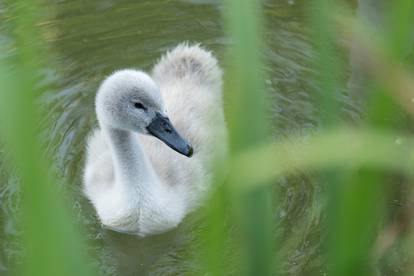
[{"x": 190, "y": 151}]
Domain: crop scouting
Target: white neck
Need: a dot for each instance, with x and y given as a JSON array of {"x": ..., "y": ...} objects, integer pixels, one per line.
[
  {"x": 140, "y": 188},
  {"x": 133, "y": 170}
]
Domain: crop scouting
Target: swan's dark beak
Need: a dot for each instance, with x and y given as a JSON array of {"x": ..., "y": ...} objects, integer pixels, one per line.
[{"x": 162, "y": 128}]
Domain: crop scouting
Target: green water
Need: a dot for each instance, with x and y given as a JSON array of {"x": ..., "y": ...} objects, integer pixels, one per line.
[{"x": 88, "y": 40}]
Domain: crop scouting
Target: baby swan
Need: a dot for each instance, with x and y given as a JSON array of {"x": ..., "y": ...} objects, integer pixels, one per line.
[{"x": 136, "y": 183}]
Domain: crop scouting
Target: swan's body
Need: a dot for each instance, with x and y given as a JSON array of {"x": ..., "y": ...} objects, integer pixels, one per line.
[{"x": 136, "y": 183}]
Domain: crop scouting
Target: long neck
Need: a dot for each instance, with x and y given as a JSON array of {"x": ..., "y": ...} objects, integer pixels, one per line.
[{"x": 133, "y": 170}]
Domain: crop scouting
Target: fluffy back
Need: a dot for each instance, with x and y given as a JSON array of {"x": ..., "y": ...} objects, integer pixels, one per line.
[{"x": 190, "y": 63}]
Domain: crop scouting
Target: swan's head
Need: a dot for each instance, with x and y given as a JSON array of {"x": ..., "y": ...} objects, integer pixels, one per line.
[{"x": 130, "y": 100}]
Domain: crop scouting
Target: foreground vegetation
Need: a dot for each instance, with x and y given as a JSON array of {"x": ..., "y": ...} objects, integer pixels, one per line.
[{"x": 357, "y": 163}]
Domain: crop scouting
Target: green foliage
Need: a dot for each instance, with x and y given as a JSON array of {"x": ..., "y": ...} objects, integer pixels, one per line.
[
  {"x": 241, "y": 235},
  {"x": 52, "y": 244}
]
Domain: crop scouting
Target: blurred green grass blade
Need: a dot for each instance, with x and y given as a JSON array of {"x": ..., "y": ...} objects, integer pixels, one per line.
[
  {"x": 327, "y": 62},
  {"x": 258, "y": 227},
  {"x": 328, "y": 66},
  {"x": 52, "y": 244},
  {"x": 382, "y": 72},
  {"x": 341, "y": 148},
  {"x": 215, "y": 257},
  {"x": 246, "y": 97},
  {"x": 355, "y": 222},
  {"x": 244, "y": 81},
  {"x": 400, "y": 34}
]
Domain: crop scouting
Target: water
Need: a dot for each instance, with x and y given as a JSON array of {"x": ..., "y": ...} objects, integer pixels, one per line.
[{"x": 88, "y": 40}]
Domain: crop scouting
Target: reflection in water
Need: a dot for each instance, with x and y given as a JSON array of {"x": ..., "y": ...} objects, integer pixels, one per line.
[{"x": 90, "y": 39}]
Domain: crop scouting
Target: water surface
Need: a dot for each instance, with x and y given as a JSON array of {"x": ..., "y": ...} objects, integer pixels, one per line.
[{"x": 87, "y": 40}]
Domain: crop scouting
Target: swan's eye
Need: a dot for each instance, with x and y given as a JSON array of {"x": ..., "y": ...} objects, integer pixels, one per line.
[{"x": 140, "y": 106}]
